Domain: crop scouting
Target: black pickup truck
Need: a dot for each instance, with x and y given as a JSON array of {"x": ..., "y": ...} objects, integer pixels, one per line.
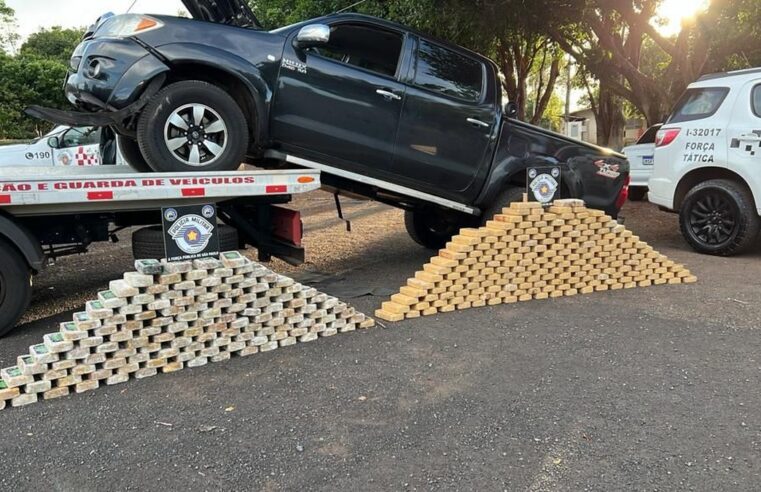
[{"x": 384, "y": 111}]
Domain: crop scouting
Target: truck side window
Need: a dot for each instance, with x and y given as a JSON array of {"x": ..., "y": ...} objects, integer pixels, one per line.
[
  {"x": 756, "y": 100},
  {"x": 370, "y": 48},
  {"x": 698, "y": 103},
  {"x": 442, "y": 70}
]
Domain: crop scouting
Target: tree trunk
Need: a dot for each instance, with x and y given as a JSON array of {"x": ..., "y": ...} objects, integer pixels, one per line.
[{"x": 610, "y": 119}]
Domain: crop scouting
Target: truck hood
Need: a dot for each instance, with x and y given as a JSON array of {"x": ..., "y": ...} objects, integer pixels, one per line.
[{"x": 231, "y": 12}]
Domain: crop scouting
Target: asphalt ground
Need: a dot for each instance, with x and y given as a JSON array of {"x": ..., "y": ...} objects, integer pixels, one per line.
[{"x": 644, "y": 389}]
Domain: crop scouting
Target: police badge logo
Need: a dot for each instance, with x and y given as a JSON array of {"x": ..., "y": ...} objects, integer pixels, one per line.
[
  {"x": 64, "y": 158},
  {"x": 191, "y": 233},
  {"x": 544, "y": 187}
]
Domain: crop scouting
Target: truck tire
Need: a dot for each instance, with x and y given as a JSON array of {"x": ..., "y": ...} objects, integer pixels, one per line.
[
  {"x": 637, "y": 193},
  {"x": 718, "y": 217},
  {"x": 193, "y": 126},
  {"x": 429, "y": 229},
  {"x": 131, "y": 152},
  {"x": 15, "y": 286},
  {"x": 509, "y": 195},
  {"x": 148, "y": 242}
]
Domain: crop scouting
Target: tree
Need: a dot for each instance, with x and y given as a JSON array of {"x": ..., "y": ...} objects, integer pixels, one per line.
[
  {"x": 8, "y": 35},
  {"x": 55, "y": 43},
  {"x": 616, "y": 42},
  {"x": 25, "y": 81}
]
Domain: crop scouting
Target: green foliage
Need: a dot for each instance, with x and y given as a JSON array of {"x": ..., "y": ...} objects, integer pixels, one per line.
[
  {"x": 8, "y": 35},
  {"x": 52, "y": 44},
  {"x": 33, "y": 76},
  {"x": 25, "y": 81},
  {"x": 552, "y": 117}
]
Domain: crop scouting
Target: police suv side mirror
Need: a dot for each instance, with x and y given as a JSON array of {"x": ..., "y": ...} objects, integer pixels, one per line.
[
  {"x": 511, "y": 110},
  {"x": 53, "y": 142},
  {"x": 311, "y": 36}
]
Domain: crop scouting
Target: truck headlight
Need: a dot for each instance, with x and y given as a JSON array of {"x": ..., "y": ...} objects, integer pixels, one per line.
[{"x": 120, "y": 26}]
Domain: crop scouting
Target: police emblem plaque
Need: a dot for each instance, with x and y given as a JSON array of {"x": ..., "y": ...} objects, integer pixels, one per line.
[
  {"x": 190, "y": 232},
  {"x": 543, "y": 184}
]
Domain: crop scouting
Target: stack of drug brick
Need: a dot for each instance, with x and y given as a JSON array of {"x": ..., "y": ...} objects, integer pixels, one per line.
[
  {"x": 168, "y": 316},
  {"x": 529, "y": 252}
]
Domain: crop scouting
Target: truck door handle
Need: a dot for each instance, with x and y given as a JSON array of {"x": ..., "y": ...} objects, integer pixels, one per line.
[
  {"x": 479, "y": 123},
  {"x": 388, "y": 94}
]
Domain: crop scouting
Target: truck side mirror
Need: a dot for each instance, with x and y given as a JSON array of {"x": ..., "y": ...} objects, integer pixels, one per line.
[
  {"x": 511, "y": 110},
  {"x": 311, "y": 36},
  {"x": 53, "y": 142}
]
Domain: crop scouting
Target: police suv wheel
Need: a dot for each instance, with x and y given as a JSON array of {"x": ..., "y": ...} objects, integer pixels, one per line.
[
  {"x": 718, "y": 217},
  {"x": 15, "y": 287},
  {"x": 193, "y": 126}
]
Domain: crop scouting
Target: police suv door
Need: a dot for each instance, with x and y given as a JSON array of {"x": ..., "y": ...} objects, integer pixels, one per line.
[
  {"x": 744, "y": 137},
  {"x": 78, "y": 146}
]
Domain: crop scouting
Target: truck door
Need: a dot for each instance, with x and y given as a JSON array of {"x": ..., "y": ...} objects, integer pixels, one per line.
[
  {"x": 341, "y": 102},
  {"x": 448, "y": 121},
  {"x": 744, "y": 137}
]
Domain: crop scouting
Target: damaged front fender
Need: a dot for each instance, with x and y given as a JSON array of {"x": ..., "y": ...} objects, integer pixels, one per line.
[{"x": 106, "y": 117}]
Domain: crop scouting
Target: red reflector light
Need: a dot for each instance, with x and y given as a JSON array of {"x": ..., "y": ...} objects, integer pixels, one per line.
[
  {"x": 100, "y": 195},
  {"x": 276, "y": 189},
  {"x": 666, "y": 136},
  {"x": 5, "y": 199},
  {"x": 623, "y": 195},
  {"x": 193, "y": 192}
]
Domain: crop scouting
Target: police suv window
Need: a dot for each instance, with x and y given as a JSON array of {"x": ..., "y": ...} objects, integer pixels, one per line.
[
  {"x": 442, "y": 70},
  {"x": 756, "y": 100},
  {"x": 697, "y": 104}
]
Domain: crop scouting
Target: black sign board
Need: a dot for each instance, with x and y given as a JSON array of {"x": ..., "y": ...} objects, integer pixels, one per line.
[
  {"x": 190, "y": 232},
  {"x": 543, "y": 184}
]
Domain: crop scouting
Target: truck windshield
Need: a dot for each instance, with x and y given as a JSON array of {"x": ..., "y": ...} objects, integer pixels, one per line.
[{"x": 698, "y": 103}]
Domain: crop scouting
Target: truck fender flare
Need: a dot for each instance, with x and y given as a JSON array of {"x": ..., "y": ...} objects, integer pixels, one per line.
[
  {"x": 22, "y": 239},
  {"x": 506, "y": 171},
  {"x": 179, "y": 54}
]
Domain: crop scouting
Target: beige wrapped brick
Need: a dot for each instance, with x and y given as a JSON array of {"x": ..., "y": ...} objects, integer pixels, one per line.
[
  {"x": 24, "y": 399},
  {"x": 58, "y": 392}
]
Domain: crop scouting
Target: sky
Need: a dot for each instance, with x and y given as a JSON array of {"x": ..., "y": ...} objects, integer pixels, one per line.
[{"x": 33, "y": 14}]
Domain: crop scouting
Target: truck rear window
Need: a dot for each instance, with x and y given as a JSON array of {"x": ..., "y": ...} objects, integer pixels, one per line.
[{"x": 697, "y": 104}]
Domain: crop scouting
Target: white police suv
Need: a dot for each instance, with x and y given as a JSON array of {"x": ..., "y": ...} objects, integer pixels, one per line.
[
  {"x": 62, "y": 146},
  {"x": 708, "y": 162}
]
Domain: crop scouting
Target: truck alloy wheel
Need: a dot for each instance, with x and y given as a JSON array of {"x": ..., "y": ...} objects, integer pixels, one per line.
[
  {"x": 190, "y": 126},
  {"x": 195, "y": 134},
  {"x": 718, "y": 217}
]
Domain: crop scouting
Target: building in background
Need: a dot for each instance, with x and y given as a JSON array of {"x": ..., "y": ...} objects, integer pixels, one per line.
[{"x": 582, "y": 125}]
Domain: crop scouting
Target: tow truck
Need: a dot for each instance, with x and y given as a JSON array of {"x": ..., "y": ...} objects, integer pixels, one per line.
[{"x": 47, "y": 213}]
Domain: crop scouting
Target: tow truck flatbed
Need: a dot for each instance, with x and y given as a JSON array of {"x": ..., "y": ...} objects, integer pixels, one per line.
[
  {"x": 60, "y": 190},
  {"x": 46, "y": 213}
]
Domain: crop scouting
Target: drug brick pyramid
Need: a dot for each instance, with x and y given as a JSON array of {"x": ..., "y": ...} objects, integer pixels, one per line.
[
  {"x": 529, "y": 252},
  {"x": 168, "y": 316}
]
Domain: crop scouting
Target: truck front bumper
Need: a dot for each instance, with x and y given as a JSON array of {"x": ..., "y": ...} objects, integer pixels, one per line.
[
  {"x": 105, "y": 117},
  {"x": 110, "y": 79}
]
